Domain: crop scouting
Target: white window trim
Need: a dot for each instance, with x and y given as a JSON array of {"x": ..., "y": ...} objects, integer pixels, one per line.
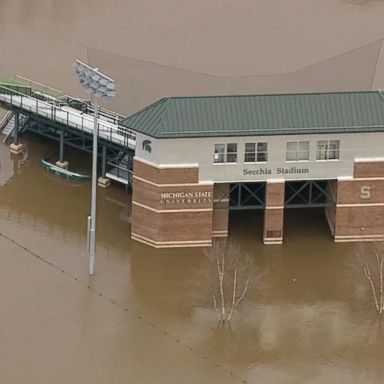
[
  {"x": 327, "y": 160},
  {"x": 298, "y": 151},
  {"x": 225, "y": 154},
  {"x": 256, "y": 152}
]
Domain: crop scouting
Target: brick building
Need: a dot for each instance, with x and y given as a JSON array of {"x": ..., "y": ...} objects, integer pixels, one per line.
[{"x": 198, "y": 157}]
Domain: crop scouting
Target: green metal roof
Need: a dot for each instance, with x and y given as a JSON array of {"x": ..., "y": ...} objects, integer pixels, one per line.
[{"x": 253, "y": 115}]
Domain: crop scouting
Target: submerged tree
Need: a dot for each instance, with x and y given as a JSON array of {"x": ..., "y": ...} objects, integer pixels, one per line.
[
  {"x": 231, "y": 273},
  {"x": 372, "y": 257}
]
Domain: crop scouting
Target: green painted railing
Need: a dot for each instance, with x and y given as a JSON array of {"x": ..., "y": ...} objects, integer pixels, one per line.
[
  {"x": 7, "y": 89},
  {"x": 64, "y": 172}
]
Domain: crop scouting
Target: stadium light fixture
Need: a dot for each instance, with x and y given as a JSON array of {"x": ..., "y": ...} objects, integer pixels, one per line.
[{"x": 98, "y": 85}]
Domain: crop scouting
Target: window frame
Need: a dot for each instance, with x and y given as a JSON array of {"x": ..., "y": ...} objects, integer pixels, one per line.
[
  {"x": 257, "y": 152},
  {"x": 223, "y": 156},
  {"x": 298, "y": 151},
  {"x": 232, "y": 153},
  {"x": 218, "y": 154},
  {"x": 328, "y": 150}
]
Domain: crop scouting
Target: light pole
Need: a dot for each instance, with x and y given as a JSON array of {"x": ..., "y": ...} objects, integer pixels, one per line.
[{"x": 99, "y": 86}]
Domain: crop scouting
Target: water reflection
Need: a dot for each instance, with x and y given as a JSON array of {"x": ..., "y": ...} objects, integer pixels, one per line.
[{"x": 309, "y": 310}]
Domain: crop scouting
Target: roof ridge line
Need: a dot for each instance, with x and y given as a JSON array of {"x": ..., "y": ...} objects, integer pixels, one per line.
[
  {"x": 164, "y": 112},
  {"x": 273, "y": 94}
]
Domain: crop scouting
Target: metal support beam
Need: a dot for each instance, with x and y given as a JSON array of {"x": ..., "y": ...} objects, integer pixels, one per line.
[
  {"x": 308, "y": 194},
  {"x": 103, "y": 161},
  {"x": 16, "y": 129},
  {"x": 61, "y": 154},
  {"x": 247, "y": 196}
]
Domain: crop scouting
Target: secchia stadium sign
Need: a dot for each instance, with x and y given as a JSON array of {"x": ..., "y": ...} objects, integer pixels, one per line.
[{"x": 275, "y": 171}]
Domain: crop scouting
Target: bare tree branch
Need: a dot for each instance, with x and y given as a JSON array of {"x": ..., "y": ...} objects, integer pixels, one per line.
[
  {"x": 233, "y": 294},
  {"x": 380, "y": 267},
  {"x": 216, "y": 308},
  {"x": 369, "y": 278},
  {"x": 228, "y": 272},
  {"x": 244, "y": 290}
]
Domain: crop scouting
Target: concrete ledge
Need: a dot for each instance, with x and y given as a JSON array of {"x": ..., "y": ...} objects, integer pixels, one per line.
[
  {"x": 16, "y": 149},
  {"x": 103, "y": 182},
  {"x": 219, "y": 233},
  {"x": 272, "y": 241},
  {"x": 351, "y": 238}
]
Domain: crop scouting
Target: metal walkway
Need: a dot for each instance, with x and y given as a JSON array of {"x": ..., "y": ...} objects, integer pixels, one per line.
[
  {"x": 71, "y": 121},
  {"x": 53, "y": 109}
]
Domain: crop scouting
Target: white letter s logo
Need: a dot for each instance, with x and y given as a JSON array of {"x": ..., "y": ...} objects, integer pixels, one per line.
[{"x": 365, "y": 192}]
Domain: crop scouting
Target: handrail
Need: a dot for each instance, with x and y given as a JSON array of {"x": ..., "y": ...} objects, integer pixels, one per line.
[
  {"x": 5, "y": 120},
  {"x": 19, "y": 89},
  {"x": 108, "y": 131},
  {"x": 64, "y": 172}
]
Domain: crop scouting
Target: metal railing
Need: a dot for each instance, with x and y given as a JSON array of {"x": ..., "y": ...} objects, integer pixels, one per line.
[
  {"x": 19, "y": 89},
  {"x": 5, "y": 120},
  {"x": 116, "y": 134}
]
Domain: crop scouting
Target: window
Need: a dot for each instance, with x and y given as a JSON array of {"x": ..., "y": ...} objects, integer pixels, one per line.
[
  {"x": 297, "y": 151},
  {"x": 225, "y": 153},
  {"x": 262, "y": 152},
  {"x": 256, "y": 152},
  {"x": 231, "y": 153},
  {"x": 250, "y": 153},
  {"x": 328, "y": 150},
  {"x": 219, "y": 153}
]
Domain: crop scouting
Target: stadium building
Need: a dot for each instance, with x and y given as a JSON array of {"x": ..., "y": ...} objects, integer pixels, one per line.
[{"x": 199, "y": 157}]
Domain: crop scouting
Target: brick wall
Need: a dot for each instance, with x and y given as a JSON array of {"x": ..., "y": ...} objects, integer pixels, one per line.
[
  {"x": 170, "y": 208},
  {"x": 274, "y": 213},
  {"x": 360, "y": 204}
]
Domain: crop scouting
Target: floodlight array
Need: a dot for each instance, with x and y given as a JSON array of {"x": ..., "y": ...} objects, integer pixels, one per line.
[{"x": 94, "y": 82}]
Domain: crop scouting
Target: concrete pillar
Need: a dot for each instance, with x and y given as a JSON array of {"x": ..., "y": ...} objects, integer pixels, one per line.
[
  {"x": 274, "y": 212},
  {"x": 61, "y": 163},
  {"x": 16, "y": 147},
  {"x": 220, "y": 210},
  {"x": 102, "y": 181}
]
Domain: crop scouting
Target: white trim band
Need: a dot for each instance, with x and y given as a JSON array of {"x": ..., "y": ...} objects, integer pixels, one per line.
[
  {"x": 368, "y": 179},
  {"x": 369, "y": 160},
  {"x": 276, "y": 240},
  {"x": 360, "y": 205},
  {"x": 166, "y": 166},
  {"x": 172, "y": 210},
  {"x": 172, "y": 185},
  {"x": 170, "y": 244},
  {"x": 358, "y": 236}
]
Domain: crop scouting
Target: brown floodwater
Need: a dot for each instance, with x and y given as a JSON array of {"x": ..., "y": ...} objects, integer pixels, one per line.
[{"x": 146, "y": 316}]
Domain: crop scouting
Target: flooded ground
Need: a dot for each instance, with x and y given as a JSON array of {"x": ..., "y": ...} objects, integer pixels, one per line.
[{"x": 146, "y": 316}]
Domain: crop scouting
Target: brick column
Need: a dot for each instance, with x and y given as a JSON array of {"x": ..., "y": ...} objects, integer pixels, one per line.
[
  {"x": 359, "y": 208},
  {"x": 220, "y": 210},
  {"x": 274, "y": 212},
  {"x": 170, "y": 208}
]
